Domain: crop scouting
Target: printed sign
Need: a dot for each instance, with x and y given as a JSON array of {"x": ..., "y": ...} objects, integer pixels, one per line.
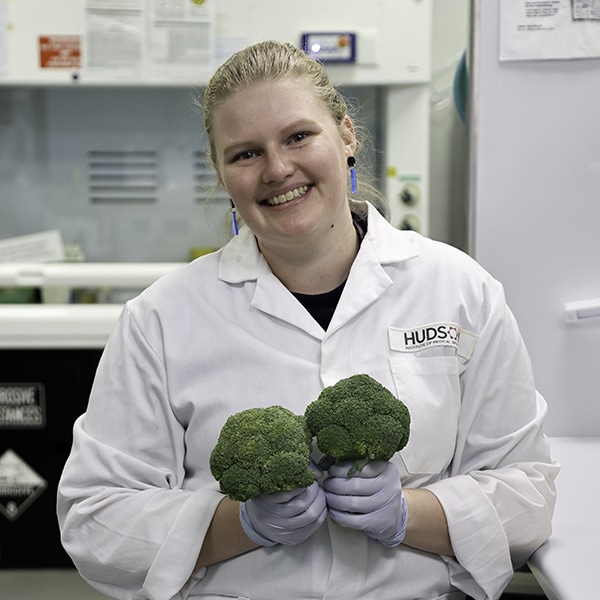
[
  {"x": 60, "y": 52},
  {"x": 20, "y": 485},
  {"x": 36, "y": 247},
  {"x": 22, "y": 406}
]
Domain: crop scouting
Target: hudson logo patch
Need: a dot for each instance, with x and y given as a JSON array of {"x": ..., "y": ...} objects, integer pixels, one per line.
[{"x": 434, "y": 334}]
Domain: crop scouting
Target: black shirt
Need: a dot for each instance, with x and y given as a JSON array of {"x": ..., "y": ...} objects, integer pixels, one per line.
[{"x": 322, "y": 306}]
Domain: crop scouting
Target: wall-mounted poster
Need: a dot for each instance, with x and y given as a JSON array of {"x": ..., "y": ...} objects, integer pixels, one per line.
[
  {"x": 172, "y": 39},
  {"x": 549, "y": 29}
]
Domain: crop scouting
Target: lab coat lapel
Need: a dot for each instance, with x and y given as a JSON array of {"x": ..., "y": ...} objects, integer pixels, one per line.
[
  {"x": 273, "y": 298},
  {"x": 366, "y": 283},
  {"x": 242, "y": 261},
  {"x": 368, "y": 279}
]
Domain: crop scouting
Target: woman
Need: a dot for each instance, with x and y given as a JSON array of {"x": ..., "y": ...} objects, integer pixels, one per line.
[{"x": 316, "y": 287}]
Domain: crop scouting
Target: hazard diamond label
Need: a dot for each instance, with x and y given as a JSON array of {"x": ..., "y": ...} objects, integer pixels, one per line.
[{"x": 20, "y": 485}]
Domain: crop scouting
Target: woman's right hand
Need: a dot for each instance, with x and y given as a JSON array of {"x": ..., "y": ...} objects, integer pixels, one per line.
[{"x": 287, "y": 518}]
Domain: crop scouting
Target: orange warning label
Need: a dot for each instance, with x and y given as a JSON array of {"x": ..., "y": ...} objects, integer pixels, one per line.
[{"x": 60, "y": 51}]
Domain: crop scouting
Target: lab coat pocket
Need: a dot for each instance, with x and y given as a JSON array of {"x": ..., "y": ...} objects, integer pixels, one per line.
[{"x": 429, "y": 386}]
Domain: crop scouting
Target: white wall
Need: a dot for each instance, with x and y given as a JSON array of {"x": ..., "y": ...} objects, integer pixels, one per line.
[{"x": 535, "y": 180}]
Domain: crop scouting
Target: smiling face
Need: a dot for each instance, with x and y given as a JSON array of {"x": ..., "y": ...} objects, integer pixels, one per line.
[{"x": 282, "y": 159}]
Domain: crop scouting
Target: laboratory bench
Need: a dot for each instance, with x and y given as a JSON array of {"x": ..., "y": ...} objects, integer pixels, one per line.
[{"x": 567, "y": 566}]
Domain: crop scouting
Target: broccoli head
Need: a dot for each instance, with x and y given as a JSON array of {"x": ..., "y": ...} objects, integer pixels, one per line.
[
  {"x": 358, "y": 419},
  {"x": 262, "y": 451}
]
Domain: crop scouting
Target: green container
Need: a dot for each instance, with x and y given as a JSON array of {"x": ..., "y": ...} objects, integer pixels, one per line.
[{"x": 19, "y": 295}]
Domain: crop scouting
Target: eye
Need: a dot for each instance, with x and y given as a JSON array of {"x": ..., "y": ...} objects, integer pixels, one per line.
[
  {"x": 245, "y": 155},
  {"x": 299, "y": 137}
]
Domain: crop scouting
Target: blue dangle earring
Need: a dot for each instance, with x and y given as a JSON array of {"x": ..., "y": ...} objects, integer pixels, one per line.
[
  {"x": 234, "y": 225},
  {"x": 352, "y": 167}
]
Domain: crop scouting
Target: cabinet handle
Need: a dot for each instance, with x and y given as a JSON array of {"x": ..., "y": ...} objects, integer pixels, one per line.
[{"x": 582, "y": 310}]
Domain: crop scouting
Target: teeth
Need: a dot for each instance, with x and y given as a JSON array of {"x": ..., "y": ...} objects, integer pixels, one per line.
[{"x": 296, "y": 193}]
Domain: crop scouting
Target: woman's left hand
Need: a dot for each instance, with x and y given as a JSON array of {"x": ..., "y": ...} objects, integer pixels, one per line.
[{"x": 371, "y": 500}]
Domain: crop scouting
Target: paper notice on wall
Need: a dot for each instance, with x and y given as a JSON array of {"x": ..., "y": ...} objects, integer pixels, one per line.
[
  {"x": 114, "y": 36},
  {"x": 174, "y": 39},
  {"x": 46, "y": 246},
  {"x": 549, "y": 29},
  {"x": 60, "y": 51},
  {"x": 182, "y": 38},
  {"x": 586, "y": 9}
]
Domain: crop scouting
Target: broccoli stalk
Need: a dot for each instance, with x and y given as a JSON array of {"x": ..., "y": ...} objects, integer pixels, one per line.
[
  {"x": 262, "y": 451},
  {"x": 358, "y": 419}
]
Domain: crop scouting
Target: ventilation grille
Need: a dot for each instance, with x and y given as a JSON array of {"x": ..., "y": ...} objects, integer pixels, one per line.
[
  {"x": 206, "y": 182},
  {"x": 122, "y": 177}
]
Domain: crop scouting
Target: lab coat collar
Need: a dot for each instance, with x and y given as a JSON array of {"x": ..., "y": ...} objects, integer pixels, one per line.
[
  {"x": 241, "y": 257},
  {"x": 242, "y": 261},
  {"x": 368, "y": 278},
  {"x": 387, "y": 243}
]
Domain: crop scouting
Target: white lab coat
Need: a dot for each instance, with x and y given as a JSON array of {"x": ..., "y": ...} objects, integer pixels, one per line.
[{"x": 223, "y": 334}]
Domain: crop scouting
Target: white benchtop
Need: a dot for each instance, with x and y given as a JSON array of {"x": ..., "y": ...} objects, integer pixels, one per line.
[
  {"x": 54, "y": 326},
  {"x": 124, "y": 275},
  {"x": 68, "y": 325},
  {"x": 567, "y": 566}
]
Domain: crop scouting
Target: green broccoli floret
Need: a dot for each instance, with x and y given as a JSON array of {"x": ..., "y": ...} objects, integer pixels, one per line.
[
  {"x": 358, "y": 419},
  {"x": 262, "y": 451}
]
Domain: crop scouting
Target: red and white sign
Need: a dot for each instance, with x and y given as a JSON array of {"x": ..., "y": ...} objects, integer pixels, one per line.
[{"x": 60, "y": 51}]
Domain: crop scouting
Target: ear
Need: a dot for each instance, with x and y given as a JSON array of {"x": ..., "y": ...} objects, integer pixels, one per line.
[{"x": 349, "y": 135}]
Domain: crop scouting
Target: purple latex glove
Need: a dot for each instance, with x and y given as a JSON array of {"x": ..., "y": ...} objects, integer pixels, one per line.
[
  {"x": 287, "y": 518},
  {"x": 371, "y": 500}
]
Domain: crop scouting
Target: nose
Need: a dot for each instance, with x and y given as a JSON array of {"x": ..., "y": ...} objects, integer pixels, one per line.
[{"x": 277, "y": 166}]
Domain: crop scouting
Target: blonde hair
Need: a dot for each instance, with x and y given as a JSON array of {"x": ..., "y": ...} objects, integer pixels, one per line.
[{"x": 270, "y": 61}]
